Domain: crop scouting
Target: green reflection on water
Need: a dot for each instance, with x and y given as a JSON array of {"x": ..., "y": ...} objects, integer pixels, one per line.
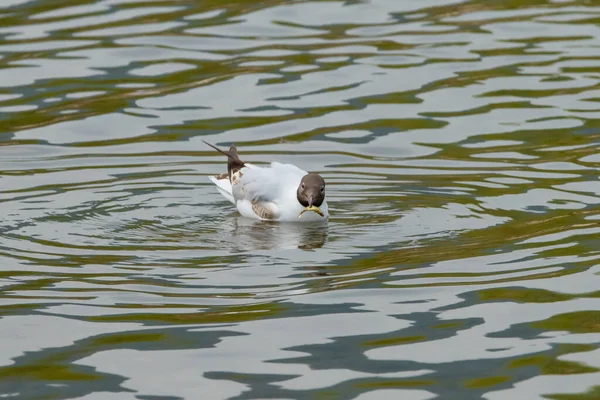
[{"x": 396, "y": 178}]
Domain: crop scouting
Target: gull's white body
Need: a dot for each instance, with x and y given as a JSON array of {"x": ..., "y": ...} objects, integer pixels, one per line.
[{"x": 272, "y": 189}]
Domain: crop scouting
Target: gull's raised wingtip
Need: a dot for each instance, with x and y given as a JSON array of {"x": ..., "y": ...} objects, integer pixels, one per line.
[{"x": 234, "y": 163}]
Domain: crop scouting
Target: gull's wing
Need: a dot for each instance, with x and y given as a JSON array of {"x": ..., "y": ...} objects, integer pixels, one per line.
[{"x": 268, "y": 185}]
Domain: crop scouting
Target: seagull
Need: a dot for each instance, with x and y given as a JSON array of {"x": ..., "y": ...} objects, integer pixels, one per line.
[{"x": 280, "y": 192}]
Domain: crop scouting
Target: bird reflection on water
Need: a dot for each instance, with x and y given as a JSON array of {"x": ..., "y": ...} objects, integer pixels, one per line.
[{"x": 266, "y": 235}]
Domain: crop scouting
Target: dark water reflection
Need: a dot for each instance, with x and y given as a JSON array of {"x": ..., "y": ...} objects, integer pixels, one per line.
[{"x": 459, "y": 140}]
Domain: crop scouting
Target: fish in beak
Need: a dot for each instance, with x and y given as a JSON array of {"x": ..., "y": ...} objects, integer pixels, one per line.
[{"x": 312, "y": 208}]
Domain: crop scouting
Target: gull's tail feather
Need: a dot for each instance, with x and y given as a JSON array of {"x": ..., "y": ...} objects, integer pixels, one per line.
[
  {"x": 223, "y": 186},
  {"x": 234, "y": 164}
]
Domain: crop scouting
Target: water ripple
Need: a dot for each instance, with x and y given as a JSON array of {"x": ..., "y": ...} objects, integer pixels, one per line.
[{"x": 459, "y": 142}]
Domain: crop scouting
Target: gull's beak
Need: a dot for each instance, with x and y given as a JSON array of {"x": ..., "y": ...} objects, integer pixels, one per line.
[{"x": 312, "y": 208}]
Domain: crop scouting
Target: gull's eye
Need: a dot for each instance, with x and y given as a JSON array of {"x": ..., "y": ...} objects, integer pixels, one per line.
[
  {"x": 323, "y": 189},
  {"x": 302, "y": 187}
]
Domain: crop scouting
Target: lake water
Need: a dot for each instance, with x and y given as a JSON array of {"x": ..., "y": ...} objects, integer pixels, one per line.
[{"x": 459, "y": 140}]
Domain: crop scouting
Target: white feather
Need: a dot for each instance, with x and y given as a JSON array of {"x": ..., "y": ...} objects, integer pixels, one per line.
[
  {"x": 224, "y": 187},
  {"x": 268, "y": 184}
]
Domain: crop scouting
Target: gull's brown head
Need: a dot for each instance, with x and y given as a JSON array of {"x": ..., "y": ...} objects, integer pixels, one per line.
[{"x": 311, "y": 191}]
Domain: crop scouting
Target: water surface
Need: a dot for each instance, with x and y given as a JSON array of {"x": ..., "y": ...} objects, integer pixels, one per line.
[{"x": 459, "y": 140}]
